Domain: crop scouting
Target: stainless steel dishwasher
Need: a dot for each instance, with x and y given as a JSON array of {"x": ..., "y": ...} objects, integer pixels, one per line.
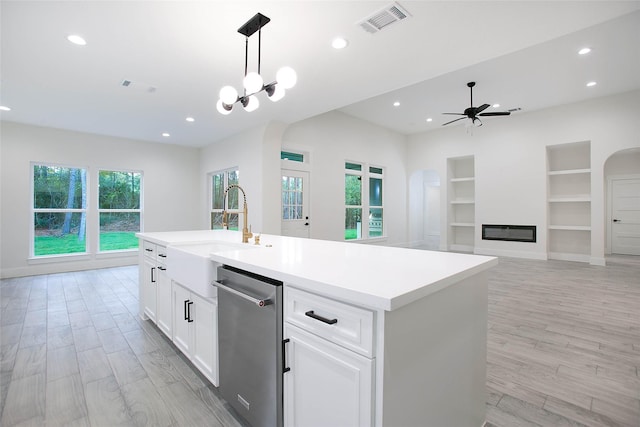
[{"x": 250, "y": 345}]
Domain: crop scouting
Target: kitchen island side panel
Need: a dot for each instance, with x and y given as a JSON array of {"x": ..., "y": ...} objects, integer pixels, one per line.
[{"x": 434, "y": 367}]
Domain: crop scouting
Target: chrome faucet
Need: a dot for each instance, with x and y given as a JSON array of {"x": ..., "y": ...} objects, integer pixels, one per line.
[{"x": 246, "y": 234}]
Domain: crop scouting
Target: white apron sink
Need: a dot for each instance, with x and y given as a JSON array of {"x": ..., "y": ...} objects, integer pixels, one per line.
[{"x": 191, "y": 265}]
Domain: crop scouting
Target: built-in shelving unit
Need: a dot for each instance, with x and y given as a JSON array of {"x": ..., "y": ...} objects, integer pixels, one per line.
[
  {"x": 569, "y": 201},
  {"x": 461, "y": 206}
]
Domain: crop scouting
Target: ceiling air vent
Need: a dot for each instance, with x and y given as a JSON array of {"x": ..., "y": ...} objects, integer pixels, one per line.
[{"x": 384, "y": 17}]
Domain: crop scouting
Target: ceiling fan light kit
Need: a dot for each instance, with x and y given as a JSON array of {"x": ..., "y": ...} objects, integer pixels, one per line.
[
  {"x": 253, "y": 82},
  {"x": 472, "y": 113}
]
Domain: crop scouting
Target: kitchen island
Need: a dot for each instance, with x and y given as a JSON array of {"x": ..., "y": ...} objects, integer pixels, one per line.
[{"x": 408, "y": 345}]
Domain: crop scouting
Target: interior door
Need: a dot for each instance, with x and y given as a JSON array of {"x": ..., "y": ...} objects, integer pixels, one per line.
[
  {"x": 625, "y": 216},
  {"x": 295, "y": 203}
]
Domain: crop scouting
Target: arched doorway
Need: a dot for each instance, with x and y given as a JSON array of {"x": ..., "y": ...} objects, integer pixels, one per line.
[{"x": 622, "y": 193}]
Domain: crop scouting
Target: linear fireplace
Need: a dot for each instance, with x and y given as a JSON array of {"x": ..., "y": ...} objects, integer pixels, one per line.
[{"x": 510, "y": 233}]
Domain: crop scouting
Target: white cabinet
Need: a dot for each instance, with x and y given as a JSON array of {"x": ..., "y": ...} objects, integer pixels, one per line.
[
  {"x": 569, "y": 201},
  {"x": 149, "y": 280},
  {"x": 461, "y": 207},
  {"x": 330, "y": 381},
  {"x": 195, "y": 329}
]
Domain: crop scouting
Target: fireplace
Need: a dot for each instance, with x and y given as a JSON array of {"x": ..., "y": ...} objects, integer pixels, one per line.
[{"x": 509, "y": 233}]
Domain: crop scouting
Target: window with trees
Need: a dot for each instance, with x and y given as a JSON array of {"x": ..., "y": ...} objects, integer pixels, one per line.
[
  {"x": 361, "y": 179},
  {"x": 119, "y": 209},
  {"x": 219, "y": 182},
  {"x": 59, "y": 210}
]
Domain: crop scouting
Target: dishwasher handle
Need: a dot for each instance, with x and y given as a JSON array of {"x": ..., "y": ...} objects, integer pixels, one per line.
[{"x": 259, "y": 302}]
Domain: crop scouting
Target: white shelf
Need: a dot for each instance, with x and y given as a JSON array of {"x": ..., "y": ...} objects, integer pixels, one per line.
[
  {"x": 467, "y": 179},
  {"x": 570, "y": 227},
  {"x": 570, "y": 199},
  {"x": 463, "y": 202},
  {"x": 570, "y": 172},
  {"x": 462, "y": 224}
]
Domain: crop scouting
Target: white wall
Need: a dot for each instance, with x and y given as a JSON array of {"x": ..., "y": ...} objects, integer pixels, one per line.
[
  {"x": 331, "y": 139},
  {"x": 256, "y": 154},
  {"x": 169, "y": 179},
  {"x": 510, "y": 163}
]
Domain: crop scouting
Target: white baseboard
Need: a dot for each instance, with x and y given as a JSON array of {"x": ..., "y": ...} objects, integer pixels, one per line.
[{"x": 510, "y": 253}]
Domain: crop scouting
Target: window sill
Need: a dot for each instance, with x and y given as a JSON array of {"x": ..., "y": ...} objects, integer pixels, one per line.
[
  {"x": 48, "y": 259},
  {"x": 123, "y": 253}
]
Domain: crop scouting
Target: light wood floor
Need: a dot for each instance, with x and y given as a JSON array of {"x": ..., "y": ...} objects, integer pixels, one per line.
[{"x": 563, "y": 350}]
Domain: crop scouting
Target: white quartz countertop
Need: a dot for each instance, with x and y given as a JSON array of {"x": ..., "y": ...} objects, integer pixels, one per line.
[{"x": 378, "y": 277}]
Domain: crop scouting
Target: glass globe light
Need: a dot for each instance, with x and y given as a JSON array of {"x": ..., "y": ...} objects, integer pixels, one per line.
[
  {"x": 276, "y": 93},
  {"x": 253, "y": 82},
  {"x": 228, "y": 95},
  {"x": 221, "y": 109},
  {"x": 287, "y": 77},
  {"x": 252, "y": 104}
]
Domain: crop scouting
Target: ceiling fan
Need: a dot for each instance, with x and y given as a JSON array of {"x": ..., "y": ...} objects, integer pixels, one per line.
[{"x": 473, "y": 112}]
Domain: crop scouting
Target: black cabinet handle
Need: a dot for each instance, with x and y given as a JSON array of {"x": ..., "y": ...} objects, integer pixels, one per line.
[
  {"x": 153, "y": 279},
  {"x": 186, "y": 316},
  {"x": 617, "y": 220},
  {"x": 162, "y": 255},
  {"x": 148, "y": 250},
  {"x": 162, "y": 268},
  {"x": 284, "y": 356},
  {"x": 311, "y": 314},
  {"x": 189, "y": 319}
]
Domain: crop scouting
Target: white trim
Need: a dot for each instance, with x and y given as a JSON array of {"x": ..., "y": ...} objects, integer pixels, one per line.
[{"x": 510, "y": 253}]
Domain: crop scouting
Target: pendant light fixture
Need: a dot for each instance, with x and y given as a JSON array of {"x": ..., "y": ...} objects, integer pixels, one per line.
[{"x": 253, "y": 82}]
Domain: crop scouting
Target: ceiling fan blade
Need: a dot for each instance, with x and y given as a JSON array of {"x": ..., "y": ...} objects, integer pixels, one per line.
[
  {"x": 461, "y": 118},
  {"x": 456, "y": 114},
  {"x": 496, "y": 113},
  {"x": 482, "y": 108}
]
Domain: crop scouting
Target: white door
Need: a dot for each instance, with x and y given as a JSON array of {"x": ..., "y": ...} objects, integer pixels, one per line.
[
  {"x": 295, "y": 203},
  {"x": 181, "y": 325},
  {"x": 625, "y": 216},
  {"x": 205, "y": 337},
  {"x": 431, "y": 216}
]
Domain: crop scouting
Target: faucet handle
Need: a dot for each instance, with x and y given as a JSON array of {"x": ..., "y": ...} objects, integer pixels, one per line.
[{"x": 256, "y": 239}]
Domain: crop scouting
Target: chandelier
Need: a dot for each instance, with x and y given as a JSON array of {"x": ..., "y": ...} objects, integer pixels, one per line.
[{"x": 253, "y": 82}]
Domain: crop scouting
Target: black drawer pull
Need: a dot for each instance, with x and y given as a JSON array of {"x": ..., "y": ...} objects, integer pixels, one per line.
[
  {"x": 162, "y": 268},
  {"x": 162, "y": 255},
  {"x": 148, "y": 250},
  {"x": 311, "y": 314}
]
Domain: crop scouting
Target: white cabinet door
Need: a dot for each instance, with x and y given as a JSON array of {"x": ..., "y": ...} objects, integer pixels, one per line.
[
  {"x": 327, "y": 385},
  {"x": 149, "y": 288},
  {"x": 205, "y": 337},
  {"x": 181, "y": 325},
  {"x": 164, "y": 318}
]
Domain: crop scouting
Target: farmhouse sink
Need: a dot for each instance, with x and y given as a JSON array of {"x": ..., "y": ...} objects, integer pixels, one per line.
[{"x": 191, "y": 266}]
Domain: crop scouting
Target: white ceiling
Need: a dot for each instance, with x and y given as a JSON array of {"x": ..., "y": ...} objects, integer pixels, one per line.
[{"x": 521, "y": 54}]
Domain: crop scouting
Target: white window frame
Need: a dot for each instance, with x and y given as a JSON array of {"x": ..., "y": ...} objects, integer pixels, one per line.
[
  {"x": 97, "y": 205},
  {"x": 212, "y": 211},
  {"x": 365, "y": 174},
  {"x": 34, "y": 211}
]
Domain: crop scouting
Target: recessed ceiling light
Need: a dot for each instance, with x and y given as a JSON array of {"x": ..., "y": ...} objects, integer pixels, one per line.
[
  {"x": 584, "y": 51},
  {"x": 76, "y": 39},
  {"x": 496, "y": 105},
  {"x": 190, "y": 119},
  {"x": 396, "y": 104},
  {"x": 166, "y": 134},
  {"x": 429, "y": 119},
  {"x": 3, "y": 108},
  {"x": 339, "y": 43},
  {"x": 591, "y": 84}
]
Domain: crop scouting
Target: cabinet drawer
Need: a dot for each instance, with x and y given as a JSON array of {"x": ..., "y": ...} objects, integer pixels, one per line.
[
  {"x": 149, "y": 249},
  {"x": 344, "y": 324}
]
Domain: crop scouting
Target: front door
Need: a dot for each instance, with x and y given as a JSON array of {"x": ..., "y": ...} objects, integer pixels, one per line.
[
  {"x": 625, "y": 216},
  {"x": 295, "y": 203}
]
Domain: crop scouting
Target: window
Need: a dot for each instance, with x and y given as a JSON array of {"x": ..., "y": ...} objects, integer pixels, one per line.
[
  {"x": 59, "y": 210},
  {"x": 119, "y": 196},
  {"x": 291, "y": 156},
  {"x": 363, "y": 179},
  {"x": 219, "y": 182}
]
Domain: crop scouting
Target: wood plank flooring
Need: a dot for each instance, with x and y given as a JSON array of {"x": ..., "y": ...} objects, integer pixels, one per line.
[{"x": 563, "y": 350}]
